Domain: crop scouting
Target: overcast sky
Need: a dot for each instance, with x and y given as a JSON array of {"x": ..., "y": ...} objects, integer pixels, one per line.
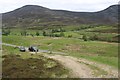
[{"x": 72, "y": 5}]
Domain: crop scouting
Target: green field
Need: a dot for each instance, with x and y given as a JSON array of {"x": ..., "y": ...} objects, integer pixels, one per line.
[{"x": 103, "y": 50}]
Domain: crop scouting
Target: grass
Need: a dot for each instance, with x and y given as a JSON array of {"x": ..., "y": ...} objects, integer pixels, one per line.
[
  {"x": 104, "y": 29},
  {"x": 18, "y": 31},
  {"x": 18, "y": 64},
  {"x": 96, "y": 71},
  {"x": 112, "y": 61},
  {"x": 103, "y": 52},
  {"x": 73, "y": 34},
  {"x": 100, "y": 51},
  {"x": 104, "y": 33}
]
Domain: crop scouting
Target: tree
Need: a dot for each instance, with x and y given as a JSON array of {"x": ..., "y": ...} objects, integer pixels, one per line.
[
  {"x": 57, "y": 35},
  {"x": 69, "y": 36},
  {"x": 37, "y": 33},
  {"x": 62, "y": 34},
  {"x": 85, "y": 38},
  {"x": 62, "y": 30},
  {"x": 53, "y": 30},
  {"x": 23, "y": 32},
  {"x": 51, "y": 35},
  {"x": 6, "y": 32},
  {"x": 44, "y": 33},
  {"x": 94, "y": 37}
]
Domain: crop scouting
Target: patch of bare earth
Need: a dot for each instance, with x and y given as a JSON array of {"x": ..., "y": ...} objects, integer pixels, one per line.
[
  {"x": 72, "y": 47},
  {"x": 111, "y": 72},
  {"x": 82, "y": 68},
  {"x": 77, "y": 70}
]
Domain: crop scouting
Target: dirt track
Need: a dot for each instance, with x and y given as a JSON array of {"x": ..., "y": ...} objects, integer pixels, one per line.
[{"x": 79, "y": 68}]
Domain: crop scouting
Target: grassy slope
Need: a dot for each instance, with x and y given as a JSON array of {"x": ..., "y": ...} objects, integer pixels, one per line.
[{"x": 103, "y": 52}]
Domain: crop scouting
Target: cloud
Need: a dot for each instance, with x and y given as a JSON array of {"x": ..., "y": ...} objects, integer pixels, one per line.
[{"x": 73, "y": 5}]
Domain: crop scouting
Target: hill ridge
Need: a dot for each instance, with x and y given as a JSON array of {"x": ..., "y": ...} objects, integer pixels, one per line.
[{"x": 34, "y": 15}]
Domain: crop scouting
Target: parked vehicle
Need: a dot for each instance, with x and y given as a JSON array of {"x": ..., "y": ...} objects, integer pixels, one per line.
[
  {"x": 33, "y": 49},
  {"x": 22, "y": 49}
]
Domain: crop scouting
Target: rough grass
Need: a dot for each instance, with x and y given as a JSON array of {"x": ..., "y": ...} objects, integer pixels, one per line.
[
  {"x": 18, "y": 32},
  {"x": 15, "y": 67},
  {"x": 73, "y": 34},
  {"x": 23, "y": 65},
  {"x": 96, "y": 71},
  {"x": 103, "y": 52},
  {"x": 104, "y": 29}
]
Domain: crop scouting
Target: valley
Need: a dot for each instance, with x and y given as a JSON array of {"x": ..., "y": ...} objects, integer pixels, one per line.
[{"x": 71, "y": 44}]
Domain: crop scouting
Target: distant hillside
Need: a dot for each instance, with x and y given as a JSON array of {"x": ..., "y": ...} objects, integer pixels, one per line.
[{"x": 32, "y": 15}]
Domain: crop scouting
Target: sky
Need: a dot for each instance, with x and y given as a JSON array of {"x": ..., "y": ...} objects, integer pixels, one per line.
[{"x": 71, "y": 5}]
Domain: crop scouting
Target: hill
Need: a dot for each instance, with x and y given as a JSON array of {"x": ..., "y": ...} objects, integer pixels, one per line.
[{"x": 33, "y": 15}]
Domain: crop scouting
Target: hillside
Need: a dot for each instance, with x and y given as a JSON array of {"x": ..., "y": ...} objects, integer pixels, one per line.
[{"x": 33, "y": 15}]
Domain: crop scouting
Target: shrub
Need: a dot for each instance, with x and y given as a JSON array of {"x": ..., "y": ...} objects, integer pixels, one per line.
[
  {"x": 24, "y": 33},
  {"x": 44, "y": 33},
  {"x": 69, "y": 36},
  {"x": 62, "y": 34},
  {"x": 85, "y": 38},
  {"x": 37, "y": 33},
  {"x": 94, "y": 37}
]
